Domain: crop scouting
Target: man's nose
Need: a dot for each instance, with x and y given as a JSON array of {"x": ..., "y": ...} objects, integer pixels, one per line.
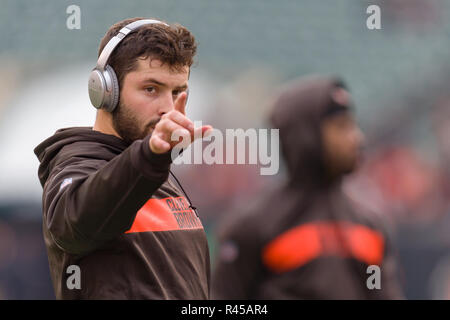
[
  {"x": 166, "y": 104},
  {"x": 360, "y": 137}
]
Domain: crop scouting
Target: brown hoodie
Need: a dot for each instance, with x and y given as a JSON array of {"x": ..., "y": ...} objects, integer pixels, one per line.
[
  {"x": 110, "y": 209},
  {"x": 307, "y": 239}
]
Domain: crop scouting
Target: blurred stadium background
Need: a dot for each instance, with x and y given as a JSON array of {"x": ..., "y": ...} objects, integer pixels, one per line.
[{"x": 399, "y": 77}]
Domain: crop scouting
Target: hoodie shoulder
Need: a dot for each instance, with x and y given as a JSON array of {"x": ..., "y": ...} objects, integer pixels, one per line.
[{"x": 75, "y": 142}]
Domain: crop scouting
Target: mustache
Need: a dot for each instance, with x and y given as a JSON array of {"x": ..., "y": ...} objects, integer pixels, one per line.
[{"x": 152, "y": 123}]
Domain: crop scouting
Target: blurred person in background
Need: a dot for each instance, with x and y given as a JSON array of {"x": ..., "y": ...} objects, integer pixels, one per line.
[
  {"x": 308, "y": 239},
  {"x": 109, "y": 206}
]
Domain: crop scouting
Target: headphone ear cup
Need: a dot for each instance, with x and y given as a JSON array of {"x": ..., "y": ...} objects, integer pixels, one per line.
[
  {"x": 97, "y": 88},
  {"x": 114, "y": 95}
]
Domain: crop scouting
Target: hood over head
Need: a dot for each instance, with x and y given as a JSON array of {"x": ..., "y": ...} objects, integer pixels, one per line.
[{"x": 298, "y": 113}]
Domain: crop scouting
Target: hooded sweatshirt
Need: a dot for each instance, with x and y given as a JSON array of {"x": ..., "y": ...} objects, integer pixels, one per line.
[
  {"x": 306, "y": 239},
  {"x": 115, "y": 226}
]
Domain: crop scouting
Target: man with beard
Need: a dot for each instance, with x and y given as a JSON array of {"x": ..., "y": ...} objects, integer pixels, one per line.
[
  {"x": 115, "y": 225},
  {"x": 308, "y": 239}
]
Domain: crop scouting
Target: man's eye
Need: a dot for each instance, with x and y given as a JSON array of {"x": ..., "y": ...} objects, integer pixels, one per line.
[
  {"x": 150, "y": 89},
  {"x": 176, "y": 92}
]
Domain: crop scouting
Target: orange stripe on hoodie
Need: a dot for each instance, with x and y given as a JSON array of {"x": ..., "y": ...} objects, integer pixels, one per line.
[
  {"x": 300, "y": 245},
  {"x": 164, "y": 215}
]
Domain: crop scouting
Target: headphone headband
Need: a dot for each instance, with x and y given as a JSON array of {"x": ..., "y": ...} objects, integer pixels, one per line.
[{"x": 112, "y": 44}]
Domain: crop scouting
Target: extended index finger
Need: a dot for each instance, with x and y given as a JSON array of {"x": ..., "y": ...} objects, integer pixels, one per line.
[{"x": 180, "y": 103}]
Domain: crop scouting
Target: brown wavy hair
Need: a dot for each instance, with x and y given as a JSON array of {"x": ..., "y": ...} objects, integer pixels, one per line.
[{"x": 173, "y": 45}]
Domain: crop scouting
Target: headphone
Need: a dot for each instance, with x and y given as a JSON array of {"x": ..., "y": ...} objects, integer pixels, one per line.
[{"x": 103, "y": 84}]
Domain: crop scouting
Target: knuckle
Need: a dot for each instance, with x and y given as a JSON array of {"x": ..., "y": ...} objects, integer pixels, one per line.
[
  {"x": 170, "y": 126},
  {"x": 165, "y": 123}
]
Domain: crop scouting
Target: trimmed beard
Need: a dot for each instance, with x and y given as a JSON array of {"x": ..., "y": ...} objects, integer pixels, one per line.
[{"x": 127, "y": 126}]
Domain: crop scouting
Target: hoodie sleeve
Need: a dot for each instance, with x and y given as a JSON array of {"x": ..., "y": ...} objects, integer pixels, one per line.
[{"x": 87, "y": 202}]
